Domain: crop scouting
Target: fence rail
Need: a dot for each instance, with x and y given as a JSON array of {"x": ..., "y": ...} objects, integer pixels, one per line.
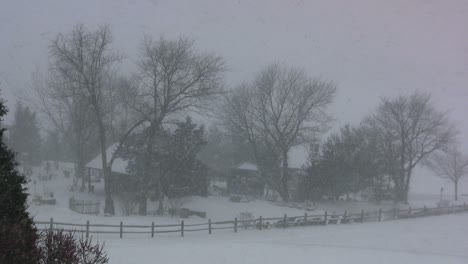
[{"x": 259, "y": 223}]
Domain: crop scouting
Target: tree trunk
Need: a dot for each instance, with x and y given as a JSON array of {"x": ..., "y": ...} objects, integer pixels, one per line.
[
  {"x": 109, "y": 203},
  {"x": 142, "y": 209},
  {"x": 401, "y": 174},
  {"x": 401, "y": 187},
  {"x": 396, "y": 190},
  {"x": 143, "y": 201},
  {"x": 456, "y": 190},
  {"x": 151, "y": 143},
  {"x": 81, "y": 168},
  {"x": 88, "y": 177},
  {"x": 407, "y": 186},
  {"x": 161, "y": 193},
  {"x": 404, "y": 196},
  {"x": 161, "y": 198},
  {"x": 284, "y": 177}
]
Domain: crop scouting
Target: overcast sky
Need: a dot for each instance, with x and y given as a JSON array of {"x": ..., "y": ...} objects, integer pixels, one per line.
[{"x": 370, "y": 48}]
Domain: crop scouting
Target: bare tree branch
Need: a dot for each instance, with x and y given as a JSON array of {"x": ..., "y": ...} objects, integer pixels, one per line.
[
  {"x": 412, "y": 129},
  {"x": 281, "y": 108}
]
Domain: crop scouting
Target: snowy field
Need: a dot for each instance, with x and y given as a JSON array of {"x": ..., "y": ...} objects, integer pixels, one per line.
[
  {"x": 217, "y": 208},
  {"x": 438, "y": 239}
]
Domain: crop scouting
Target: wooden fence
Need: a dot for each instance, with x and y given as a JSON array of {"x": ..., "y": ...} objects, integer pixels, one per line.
[
  {"x": 84, "y": 206},
  {"x": 259, "y": 223}
]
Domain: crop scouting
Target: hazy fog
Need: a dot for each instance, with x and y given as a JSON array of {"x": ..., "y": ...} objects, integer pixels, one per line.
[{"x": 370, "y": 48}]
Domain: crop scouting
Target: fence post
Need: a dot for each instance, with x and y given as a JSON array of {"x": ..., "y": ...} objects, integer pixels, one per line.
[
  {"x": 380, "y": 214},
  {"x": 362, "y": 216},
  {"x": 121, "y": 229},
  {"x": 51, "y": 224},
  {"x": 235, "y": 225},
  {"x": 305, "y": 218},
  {"x": 326, "y": 218},
  {"x": 87, "y": 228},
  {"x": 394, "y": 213},
  {"x": 209, "y": 226},
  {"x": 182, "y": 228},
  {"x": 284, "y": 221},
  {"x": 152, "y": 229},
  {"x": 260, "y": 224}
]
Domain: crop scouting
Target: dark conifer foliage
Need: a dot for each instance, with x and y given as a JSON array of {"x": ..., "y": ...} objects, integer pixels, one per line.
[
  {"x": 173, "y": 162},
  {"x": 17, "y": 231},
  {"x": 186, "y": 175},
  {"x": 25, "y": 138}
]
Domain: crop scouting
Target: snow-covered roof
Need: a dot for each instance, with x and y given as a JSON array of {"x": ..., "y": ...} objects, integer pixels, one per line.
[
  {"x": 253, "y": 167},
  {"x": 297, "y": 157},
  {"x": 119, "y": 165},
  {"x": 246, "y": 166}
]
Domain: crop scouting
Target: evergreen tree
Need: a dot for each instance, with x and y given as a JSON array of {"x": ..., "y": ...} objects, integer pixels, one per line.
[
  {"x": 144, "y": 157},
  {"x": 25, "y": 138},
  {"x": 173, "y": 163},
  {"x": 185, "y": 174},
  {"x": 17, "y": 231},
  {"x": 347, "y": 162}
]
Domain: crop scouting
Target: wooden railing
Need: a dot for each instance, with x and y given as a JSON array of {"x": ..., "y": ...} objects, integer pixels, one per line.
[{"x": 259, "y": 223}]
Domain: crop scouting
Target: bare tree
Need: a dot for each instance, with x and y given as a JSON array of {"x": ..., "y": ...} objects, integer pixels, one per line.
[
  {"x": 66, "y": 108},
  {"x": 173, "y": 79},
  {"x": 281, "y": 109},
  {"x": 412, "y": 129},
  {"x": 449, "y": 164},
  {"x": 84, "y": 59},
  {"x": 237, "y": 115}
]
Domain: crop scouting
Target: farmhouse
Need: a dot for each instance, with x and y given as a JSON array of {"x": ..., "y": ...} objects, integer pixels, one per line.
[{"x": 120, "y": 175}]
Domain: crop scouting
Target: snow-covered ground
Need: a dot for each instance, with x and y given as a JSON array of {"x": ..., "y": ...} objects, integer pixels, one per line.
[
  {"x": 438, "y": 239},
  {"x": 217, "y": 208}
]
